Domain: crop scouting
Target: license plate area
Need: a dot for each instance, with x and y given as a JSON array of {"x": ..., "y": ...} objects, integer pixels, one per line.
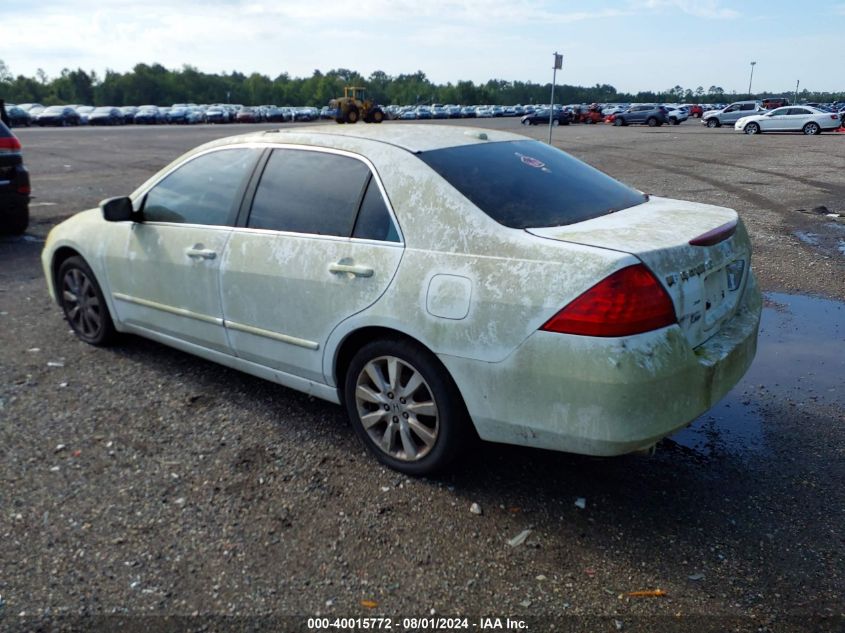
[{"x": 721, "y": 292}]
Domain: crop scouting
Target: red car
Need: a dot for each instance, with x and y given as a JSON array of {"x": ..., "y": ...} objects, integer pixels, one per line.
[{"x": 695, "y": 110}]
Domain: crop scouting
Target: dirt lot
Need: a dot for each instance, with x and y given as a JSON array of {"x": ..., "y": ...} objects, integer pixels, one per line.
[{"x": 139, "y": 484}]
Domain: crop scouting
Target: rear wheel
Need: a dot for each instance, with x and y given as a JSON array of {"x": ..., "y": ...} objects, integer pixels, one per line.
[
  {"x": 15, "y": 220},
  {"x": 404, "y": 406},
  {"x": 752, "y": 128},
  {"x": 812, "y": 128},
  {"x": 352, "y": 115},
  {"x": 652, "y": 122},
  {"x": 83, "y": 303}
]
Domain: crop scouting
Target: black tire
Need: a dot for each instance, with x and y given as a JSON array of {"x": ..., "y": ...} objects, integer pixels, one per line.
[
  {"x": 675, "y": 122},
  {"x": 752, "y": 128},
  {"x": 378, "y": 116},
  {"x": 526, "y": 122},
  {"x": 812, "y": 129},
  {"x": 83, "y": 303},
  {"x": 714, "y": 122},
  {"x": 352, "y": 115},
  {"x": 447, "y": 430},
  {"x": 652, "y": 122},
  {"x": 340, "y": 119},
  {"x": 618, "y": 122},
  {"x": 15, "y": 220}
]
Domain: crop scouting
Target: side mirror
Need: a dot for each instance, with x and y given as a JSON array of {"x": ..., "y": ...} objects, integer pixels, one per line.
[{"x": 117, "y": 209}]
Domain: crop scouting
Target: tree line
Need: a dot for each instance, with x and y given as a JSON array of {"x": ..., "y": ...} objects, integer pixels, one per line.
[{"x": 155, "y": 84}]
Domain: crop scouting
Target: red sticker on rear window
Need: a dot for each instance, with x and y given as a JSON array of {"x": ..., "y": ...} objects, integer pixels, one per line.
[{"x": 532, "y": 162}]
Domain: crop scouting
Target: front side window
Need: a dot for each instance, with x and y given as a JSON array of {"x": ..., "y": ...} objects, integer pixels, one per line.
[
  {"x": 309, "y": 192},
  {"x": 800, "y": 111},
  {"x": 204, "y": 190},
  {"x": 527, "y": 184},
  {"x": 748, "y": 106}
]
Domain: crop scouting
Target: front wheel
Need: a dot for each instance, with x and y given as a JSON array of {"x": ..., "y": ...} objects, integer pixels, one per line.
[
  {"x": 811, "y": 129},
  {"x": 378, "y": 116},
  {"x": 752, "y": 128},
  {"x": 404, "y": 406},
  {"x": 83, "y": 303},
  {"x": 711, "y": 123}
]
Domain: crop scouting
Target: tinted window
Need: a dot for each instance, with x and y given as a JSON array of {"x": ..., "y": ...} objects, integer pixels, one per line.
[
  {"x": 524, "y": 184},
  {"x": 202, "y": 191},
  {"x": 799, "y": 111},
  {"x": 374, "y": 222},
  {"x": 309, "y": 192},
  {"x": 748, "y": 106}
]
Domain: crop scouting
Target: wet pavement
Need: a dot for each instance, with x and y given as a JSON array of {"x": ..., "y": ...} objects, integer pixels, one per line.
[{"x": 800, "y": 358}]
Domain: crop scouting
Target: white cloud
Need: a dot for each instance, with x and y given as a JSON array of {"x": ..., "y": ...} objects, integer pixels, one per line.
[{"x": 699, "y": 8}]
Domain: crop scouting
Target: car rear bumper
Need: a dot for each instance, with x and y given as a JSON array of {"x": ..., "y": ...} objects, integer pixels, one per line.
[{"x": 606, "y": 396}]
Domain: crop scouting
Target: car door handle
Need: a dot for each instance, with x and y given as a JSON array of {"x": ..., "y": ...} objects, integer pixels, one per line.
[
  {"x": 197, "y": 252},
  {"x": 358, "y": 271}
]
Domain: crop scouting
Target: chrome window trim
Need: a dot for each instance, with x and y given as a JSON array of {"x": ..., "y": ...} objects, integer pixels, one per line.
[{"x": 274, "y": 145}]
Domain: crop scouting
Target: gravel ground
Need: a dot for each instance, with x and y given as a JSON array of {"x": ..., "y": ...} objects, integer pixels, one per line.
[{"x": 145, "y": 489}]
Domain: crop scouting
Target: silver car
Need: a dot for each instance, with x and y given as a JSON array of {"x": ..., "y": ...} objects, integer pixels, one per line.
[{"x": 732, "y": 113}]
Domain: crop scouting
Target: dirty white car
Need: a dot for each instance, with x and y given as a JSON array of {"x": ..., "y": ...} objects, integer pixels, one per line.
[{"x": 437, "y": 281}]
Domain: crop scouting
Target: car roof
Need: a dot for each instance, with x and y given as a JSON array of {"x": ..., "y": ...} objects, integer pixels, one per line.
[{"x": 412, "y": 137}]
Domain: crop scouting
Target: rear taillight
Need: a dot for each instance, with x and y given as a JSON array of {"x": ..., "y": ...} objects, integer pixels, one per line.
[
  {"x": 629, "y": 301},
  {"x": 24, "y": 190},
  {"x": 9, "y": 144}
]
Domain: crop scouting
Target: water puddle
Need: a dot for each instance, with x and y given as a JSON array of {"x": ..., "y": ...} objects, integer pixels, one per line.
[
  {"x": 830, "y": 240},
  {"x": 800, "y": 358}
]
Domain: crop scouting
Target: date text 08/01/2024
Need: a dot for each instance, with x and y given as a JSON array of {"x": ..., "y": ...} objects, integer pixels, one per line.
[{"x": 416, "y": 624}]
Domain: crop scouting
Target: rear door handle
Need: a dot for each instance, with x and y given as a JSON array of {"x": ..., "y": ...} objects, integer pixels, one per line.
[
  {"x": 198, "y": 252},
  {"x": 358, "y": 271}
]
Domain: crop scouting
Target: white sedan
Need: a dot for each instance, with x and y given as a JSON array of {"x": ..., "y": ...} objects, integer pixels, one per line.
[
  {"x": 804, "y": 119},
  {"x": 437, "y": 281}
]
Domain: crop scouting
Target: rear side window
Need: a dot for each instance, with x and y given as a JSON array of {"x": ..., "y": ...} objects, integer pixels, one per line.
[
  {"x": 203, "y": 190},
  {"x": 527, "y": 184},
  {"x": 374, "y": 221},
  {"x": 309, "y": 192},
  {"x": 748, "y": 106}
]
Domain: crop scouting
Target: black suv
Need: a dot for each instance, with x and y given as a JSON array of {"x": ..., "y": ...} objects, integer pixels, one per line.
[{"x": 14, "y": 185}]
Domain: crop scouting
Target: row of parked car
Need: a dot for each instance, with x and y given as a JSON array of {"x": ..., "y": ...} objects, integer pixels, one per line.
[
  {"x": 179, "y": 113},
  {"x": 753, "y": 117}
]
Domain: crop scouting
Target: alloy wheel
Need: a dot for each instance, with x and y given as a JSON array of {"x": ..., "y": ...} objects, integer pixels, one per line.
[
  {"x": 81, "y": 303},
  {"x": 397, "y": 408}
]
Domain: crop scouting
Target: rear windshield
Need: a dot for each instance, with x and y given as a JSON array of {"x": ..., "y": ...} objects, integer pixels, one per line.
[{"x": 527, "y": 184}]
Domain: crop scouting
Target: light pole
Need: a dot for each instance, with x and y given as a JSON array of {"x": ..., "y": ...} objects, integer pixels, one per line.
[{"x": 751, "y": 77}]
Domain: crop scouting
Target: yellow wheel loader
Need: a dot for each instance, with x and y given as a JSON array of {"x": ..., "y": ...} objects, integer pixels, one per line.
[{"x": 353, "y": 106}]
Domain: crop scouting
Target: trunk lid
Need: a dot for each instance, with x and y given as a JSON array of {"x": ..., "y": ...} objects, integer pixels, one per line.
[{"x": 705, "y": 281}]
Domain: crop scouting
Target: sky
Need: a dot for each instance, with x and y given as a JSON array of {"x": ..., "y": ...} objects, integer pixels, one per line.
[{"x": 632, "y": 45}]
